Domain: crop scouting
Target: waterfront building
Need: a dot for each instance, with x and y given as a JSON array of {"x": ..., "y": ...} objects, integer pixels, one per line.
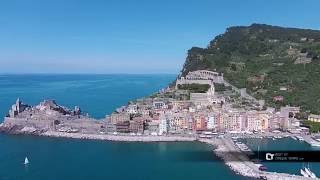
[
  {"x": 118, "y": 117},
  {"x": 211, "y": 122},
  {"x": 280, "y": 121},
  {"x": 110, "y": 127},
  {"x": 173, "y": 124},
  {"x": 223, "y": 122},
  {"x": 178, "y": 121},
  {"x": 200, "y": 123},
  {"x": 253, "y": 121},
  {"x": 153, "y": 127},
  {"x": 163, "y": 126},
  {"x": 136, "y": 125},
  {"x": 234, "y": 121},
  {"x": 264, "y": 117},
  {"x": 123, "y": 126}
]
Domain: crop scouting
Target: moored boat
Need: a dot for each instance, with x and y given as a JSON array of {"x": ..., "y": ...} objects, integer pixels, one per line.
[
  {"x": 310, "y": 173},
  {"x": 315, "y": 144},
  {"x": 300, "y": 138},
  {"x": 293, "y": 137},
  {"x": 263, "y": 168},
  {"x": 303, "y": 173}
]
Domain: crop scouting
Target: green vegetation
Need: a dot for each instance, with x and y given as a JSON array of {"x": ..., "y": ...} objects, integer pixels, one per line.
[
  {"x": 194, "y": 88},
  {"x": 314, "y": 126},
  {"x": 267, "y": 60},
  {"x": 221, "y": 87}
]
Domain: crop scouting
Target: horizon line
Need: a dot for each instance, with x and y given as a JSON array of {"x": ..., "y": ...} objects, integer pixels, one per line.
[{"x": 116, "y": 73}]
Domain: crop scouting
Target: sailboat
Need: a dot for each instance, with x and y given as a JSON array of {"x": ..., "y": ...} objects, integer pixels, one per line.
[
  {"x": 309, "y": 172},
  {"x": 26, "y": 161},
  {"x": 303, "y": 173},
  {"x": 306, "y": 172}
]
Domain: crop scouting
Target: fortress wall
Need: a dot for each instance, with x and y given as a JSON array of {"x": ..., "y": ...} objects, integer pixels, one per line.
[
  {"x": 85, "y": 125},
  {"x": 27, "y": 122}
]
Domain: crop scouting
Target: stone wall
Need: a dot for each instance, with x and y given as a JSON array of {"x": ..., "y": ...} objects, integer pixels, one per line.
[{"x": 40, "y": 124}]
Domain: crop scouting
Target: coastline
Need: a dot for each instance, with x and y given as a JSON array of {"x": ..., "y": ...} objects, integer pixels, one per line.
[
  {"x": 240, "y": 164},
  {"x": 120, "y": 138}
]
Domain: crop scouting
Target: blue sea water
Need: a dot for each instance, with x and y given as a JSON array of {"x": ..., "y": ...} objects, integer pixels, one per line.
[
  {"x": 285, "y": 144},
  {"x": 59, "y": 158},
  {"x": 96, "y": 94}
]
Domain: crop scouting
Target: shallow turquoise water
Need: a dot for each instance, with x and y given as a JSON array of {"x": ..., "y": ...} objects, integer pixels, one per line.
[{"x": 58, "y": 158}]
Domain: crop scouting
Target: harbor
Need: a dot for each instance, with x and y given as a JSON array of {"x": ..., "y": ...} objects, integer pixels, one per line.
[
  {"x": 206, "y": 117},
  {"x": 226, "y": 148},
  {"x": 242, "y": 165}
]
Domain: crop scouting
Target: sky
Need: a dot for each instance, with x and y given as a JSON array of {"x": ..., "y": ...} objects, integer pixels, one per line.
[{"x": 128, "y": 36}]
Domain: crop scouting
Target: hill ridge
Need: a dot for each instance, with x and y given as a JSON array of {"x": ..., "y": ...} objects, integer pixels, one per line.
[{"x": 268, "y": 60}]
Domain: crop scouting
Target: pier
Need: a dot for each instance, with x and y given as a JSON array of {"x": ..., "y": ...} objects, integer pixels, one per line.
[
  {"x": 241, "y": 164},
  {"x": 308, "y": 139}
]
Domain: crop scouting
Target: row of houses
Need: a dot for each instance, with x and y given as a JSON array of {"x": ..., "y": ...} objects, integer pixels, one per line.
[{"x": 186, "y": 117}]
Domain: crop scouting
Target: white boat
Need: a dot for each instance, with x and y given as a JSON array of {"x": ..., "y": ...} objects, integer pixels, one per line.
[
  {"x": 300, "y": 138},
  {"x": 26, "y": 161},
  {"x": 315, "y": 144},
  {"x": 293, "y": 137},
  {"x": 303, "y": 173},
  {"x": 310, "y": 173}
]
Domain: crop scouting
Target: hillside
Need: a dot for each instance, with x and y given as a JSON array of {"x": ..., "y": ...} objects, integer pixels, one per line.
[{"x": 268, "y": 60}]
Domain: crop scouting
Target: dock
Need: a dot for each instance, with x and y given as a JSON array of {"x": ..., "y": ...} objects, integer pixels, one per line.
[
  {"x": 308, "y": 139},
  {"x": 240, "y": 163}
]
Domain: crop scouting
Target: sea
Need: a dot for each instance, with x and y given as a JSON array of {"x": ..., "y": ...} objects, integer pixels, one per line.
[
  {"x": 284, "y": 145},
  {"x": 98, "y": 95}
]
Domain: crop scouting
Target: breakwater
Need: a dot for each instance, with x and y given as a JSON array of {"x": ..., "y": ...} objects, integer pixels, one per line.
[{"x": 241, "y": 164}]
